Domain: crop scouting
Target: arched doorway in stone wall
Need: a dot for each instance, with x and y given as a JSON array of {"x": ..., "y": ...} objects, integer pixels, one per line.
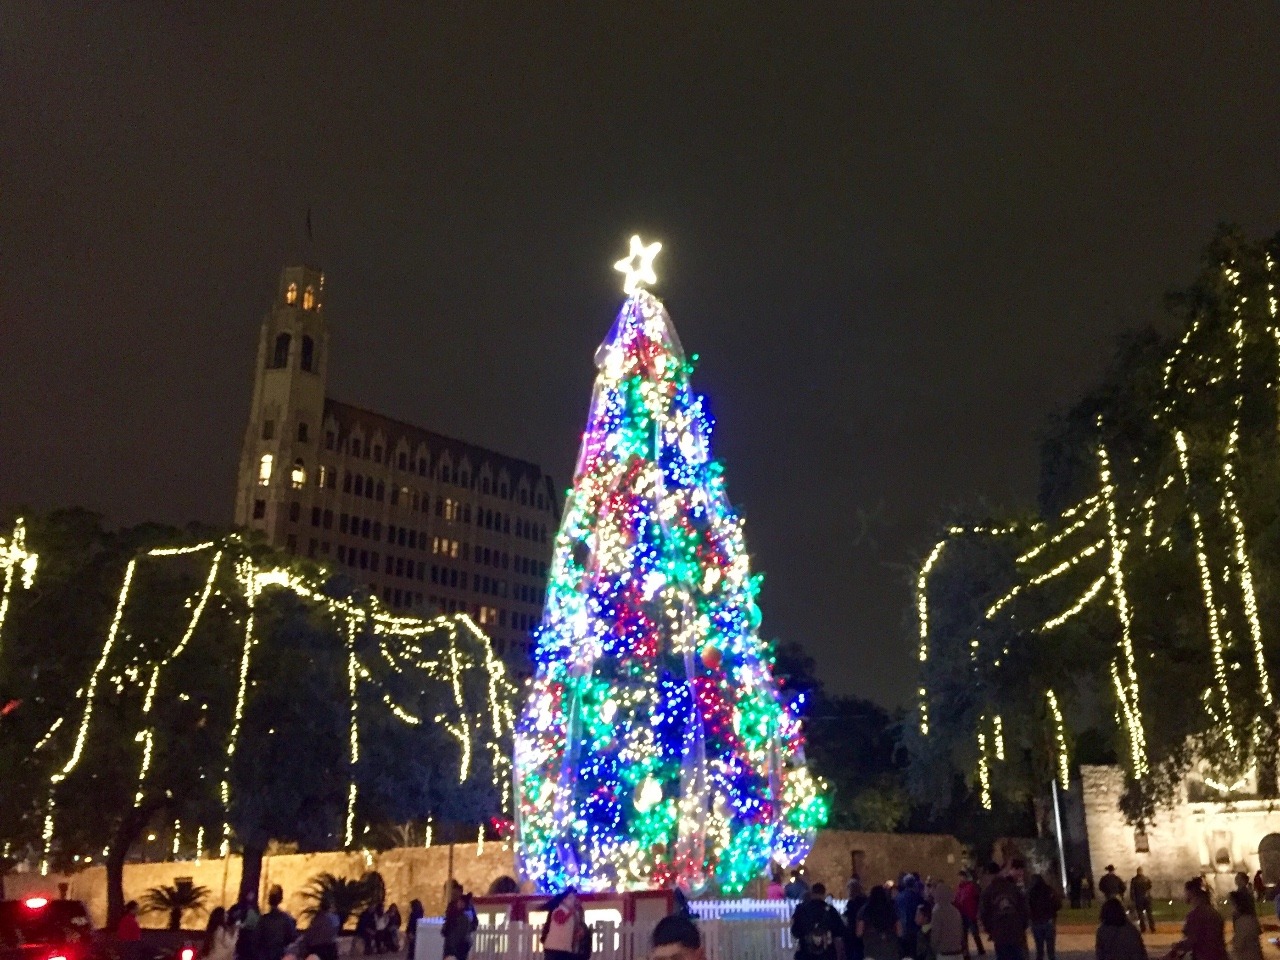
[{"x": 1269, "y": 857}]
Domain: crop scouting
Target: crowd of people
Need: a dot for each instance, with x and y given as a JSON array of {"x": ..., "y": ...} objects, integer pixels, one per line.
[
  {"x": 245, "y": 933},
  {"x": 907, "y": 919},
  {"x": 915, "y": 919}
]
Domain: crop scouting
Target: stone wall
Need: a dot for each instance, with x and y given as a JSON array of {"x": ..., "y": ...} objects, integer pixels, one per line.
[
  {"x": 881, "y": 857},
  {"x": 411, "y": 872},
  {"x": 408, "y": 873},
  {"x": 1189, "y": 839}
]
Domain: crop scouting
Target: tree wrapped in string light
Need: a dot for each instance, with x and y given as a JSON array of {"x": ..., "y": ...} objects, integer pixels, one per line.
[{"x": 655, "y": 746}]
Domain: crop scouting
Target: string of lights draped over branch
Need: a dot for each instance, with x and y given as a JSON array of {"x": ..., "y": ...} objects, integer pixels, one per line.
[
  {"x": 446, "y": 649},
  {"x": 1105, "y": 534},
  {"x": 18, "y": 564}
]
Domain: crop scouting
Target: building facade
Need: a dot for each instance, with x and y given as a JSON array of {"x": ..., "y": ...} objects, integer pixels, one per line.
[
  {"x": 426, "y": 523},
  {"x": 1211, "y": 830}
]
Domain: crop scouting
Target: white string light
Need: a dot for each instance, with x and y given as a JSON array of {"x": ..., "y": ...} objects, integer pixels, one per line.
[
  {"x": 248, "y": 579},
  {"x": 984, "y": 772},
  {"x": 1060, "y": 741},
  {"x": 15, "y": 557},
  {"x": 1094, "y": 589},
  {"x": 252, "y": 581},
  {"x": 1210, "y": 605},
  {"x": 353, "y": 738},
  {"x": 1128, "y": 689},
  {"x": 149, "y": 701}
]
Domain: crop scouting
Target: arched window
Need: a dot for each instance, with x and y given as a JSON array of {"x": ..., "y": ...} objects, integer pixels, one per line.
[
  {"x": 299, "y": 475},
  {"x": 359, "y": 485},
  {"x": 308, "y": 299},
  {"x": 308, "y": 353},
  {"x": 382, "y": 492},
  {"x": 281, "y": 356},
  {"x": 264, "y": 469},
  {"x": 291, "y": 295}
]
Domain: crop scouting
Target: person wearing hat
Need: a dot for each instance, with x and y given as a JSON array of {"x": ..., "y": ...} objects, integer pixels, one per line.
[{"x": 1110, "y": 885}]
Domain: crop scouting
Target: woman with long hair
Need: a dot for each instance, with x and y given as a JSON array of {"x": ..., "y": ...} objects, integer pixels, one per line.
[
  {"x": 220, "y": 936},
  {"x": 878, "y": 927}
]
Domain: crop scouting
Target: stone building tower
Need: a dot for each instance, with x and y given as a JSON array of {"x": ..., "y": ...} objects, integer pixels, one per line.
[
  {"x": 427, "y": 523},
  {"x": 282, "y": 438}
]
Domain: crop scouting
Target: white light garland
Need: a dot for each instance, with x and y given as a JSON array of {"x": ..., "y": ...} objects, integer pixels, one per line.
[
  {"x": 409, "y": 652},
  {"x": 353, "y": 738},
  {"x": 1210, "y": 604},
  {"x": 1093, "y": 590},
  {"x": 15, "y": 557},
  {"x": 1128, "y": 689},
  {"x": 1060, "y": 741}
]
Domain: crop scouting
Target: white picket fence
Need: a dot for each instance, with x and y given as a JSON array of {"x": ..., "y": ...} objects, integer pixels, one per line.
[
  {"x": 750, "y": 909},
  {"x": 722, "y": 939}
]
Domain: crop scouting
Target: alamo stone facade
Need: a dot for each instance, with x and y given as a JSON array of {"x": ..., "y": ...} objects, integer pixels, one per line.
[{"x": 1211, "y": 830}]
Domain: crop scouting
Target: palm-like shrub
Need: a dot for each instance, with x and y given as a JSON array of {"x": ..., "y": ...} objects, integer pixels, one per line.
[
  {"x": 175, "y": 900},
  {"x": 344, "y": 895}
]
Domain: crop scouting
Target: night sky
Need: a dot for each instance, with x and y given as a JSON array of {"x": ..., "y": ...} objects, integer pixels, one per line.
[{"x": 899, "y": 239}]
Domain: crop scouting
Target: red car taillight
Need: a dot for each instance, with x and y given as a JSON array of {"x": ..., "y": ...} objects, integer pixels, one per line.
[
  {"x": 36, "y": 903},
  {"x": 58, "y": 956},
  {"x": 188, "y": 953}
]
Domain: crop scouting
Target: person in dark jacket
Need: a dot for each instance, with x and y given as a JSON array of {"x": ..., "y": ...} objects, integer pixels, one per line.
[
  {"x": 276, "y": 928},
  {"x": 1005, "y": 914},
  {"x": 817, "y": 927},
  {"x": 1043, "y": 903},
  {"x": 416, "y": 913},
  {"x": 878, "y": 927},
  {"x": 1117, "y": 938},
  {"x": 367, "y": 930},
  {"x": 459, "y": 925},
  {"x": 321, "y": 937},
  {"x": 389, "y": 935},
  {"x": 853, "y": 906},
  {"x": 906, "y": 902},
  {"x": 1202, "y": 930},
  {"x": 1140, "y": 894},
  {"x": 1110, "y": 885}
]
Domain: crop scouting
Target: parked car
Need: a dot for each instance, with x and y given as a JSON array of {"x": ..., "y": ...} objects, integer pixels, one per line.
[{"x": 39, "y": 928}]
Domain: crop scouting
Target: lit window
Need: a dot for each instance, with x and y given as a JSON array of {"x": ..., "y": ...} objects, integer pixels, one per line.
[
  {"x": 308, "y": 299},
  {"x": 299, "y": 475},
  {"x": 264, "y": 469},
  {"x": 322, "y": 477},
  {"x": 291, "y": 295}
]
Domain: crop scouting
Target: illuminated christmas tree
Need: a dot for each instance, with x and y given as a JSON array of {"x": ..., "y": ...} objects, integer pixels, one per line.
[{"x": 655, "y": 745}]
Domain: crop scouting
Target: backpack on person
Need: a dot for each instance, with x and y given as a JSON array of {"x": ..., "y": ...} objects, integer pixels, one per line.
[{"x": 819, "y": 937}]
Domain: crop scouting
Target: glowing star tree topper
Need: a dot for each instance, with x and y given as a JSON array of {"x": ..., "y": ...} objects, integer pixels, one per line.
[
  {"x": 655, "y": 746},
  {"x": 638, "y": 265}
]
